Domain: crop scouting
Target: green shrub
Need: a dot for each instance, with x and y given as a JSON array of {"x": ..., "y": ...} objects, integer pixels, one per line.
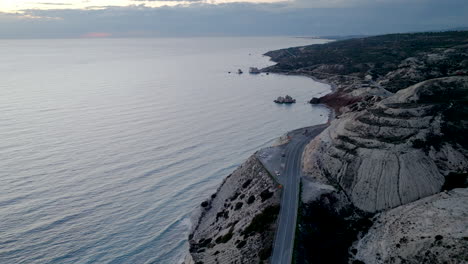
[
  {"x": 224, "y": 239},
  {"x": 261, "y": 222},
  {"x": 265, "y": 195}
]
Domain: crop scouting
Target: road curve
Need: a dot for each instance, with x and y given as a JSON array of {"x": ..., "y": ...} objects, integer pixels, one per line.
[{"x": 284, "y": 239}]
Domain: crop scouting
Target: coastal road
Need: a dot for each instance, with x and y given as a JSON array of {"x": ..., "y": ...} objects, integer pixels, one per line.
[{"x": 284, "y": 239}]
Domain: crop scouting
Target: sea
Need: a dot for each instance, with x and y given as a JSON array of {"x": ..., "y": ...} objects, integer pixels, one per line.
[{"x": 108, "y": 146}]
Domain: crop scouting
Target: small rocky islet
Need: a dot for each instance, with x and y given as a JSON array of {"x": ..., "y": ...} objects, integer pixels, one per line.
[{"x": 285, "y": 100}]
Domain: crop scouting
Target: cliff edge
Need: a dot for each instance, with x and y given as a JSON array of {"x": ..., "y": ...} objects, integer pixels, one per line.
[{"x": 238, "y": 222}]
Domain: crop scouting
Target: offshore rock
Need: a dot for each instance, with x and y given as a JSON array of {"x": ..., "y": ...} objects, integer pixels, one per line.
[
  {"x": 254, "y": 70},
  {"x": 285, "y": 100}
]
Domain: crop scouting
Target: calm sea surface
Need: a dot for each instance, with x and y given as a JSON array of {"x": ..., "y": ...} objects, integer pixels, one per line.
[{"x": 108, "y": 146}]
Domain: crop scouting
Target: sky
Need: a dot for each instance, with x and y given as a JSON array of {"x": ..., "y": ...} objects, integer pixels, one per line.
[{"x": 189, "y": 18}]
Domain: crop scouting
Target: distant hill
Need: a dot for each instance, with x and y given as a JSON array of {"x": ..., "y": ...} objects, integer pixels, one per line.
[
  {"x": 343, "y": 37},
  {"x": 377, "y": 56},
  {"x": 459, "y": 29}
]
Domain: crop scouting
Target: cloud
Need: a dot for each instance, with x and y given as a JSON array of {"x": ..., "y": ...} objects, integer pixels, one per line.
[
  {"x": 55, "y": 4},
  {"x": 350, "y": 3},
  {"x": 168, "y": 0},
  {"x": 240, "y": 19}
]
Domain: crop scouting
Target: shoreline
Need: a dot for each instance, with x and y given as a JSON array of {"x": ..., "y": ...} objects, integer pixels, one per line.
[
  {"x": 297, "y": 132},
  {"x": 333, "y": 86},
  {"x": 291, "y": 135},
  {"x": 355, "y": 173},
  {"x": 333, "y": 90}
]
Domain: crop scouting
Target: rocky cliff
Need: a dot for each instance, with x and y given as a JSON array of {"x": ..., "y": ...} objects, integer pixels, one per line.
[
  {"x": 397, "y": 150},
  {"x": 238, "y": 222}
]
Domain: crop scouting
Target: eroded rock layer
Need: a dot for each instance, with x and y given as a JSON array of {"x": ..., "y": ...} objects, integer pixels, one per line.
[
  {"x": 391, "y": 152},
  {"x": 431, "y": 230}
]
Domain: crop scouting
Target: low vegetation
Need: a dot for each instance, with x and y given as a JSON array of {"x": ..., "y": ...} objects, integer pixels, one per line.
[
  {"x": 224, "y": 239},
  {"x": 455, "y": 180},
  {"x": 377, "y": 56},
  {"x": 261, "y": 222},
  {"x": 265, "y": 195},
  {"x": 326, "y": 234}
]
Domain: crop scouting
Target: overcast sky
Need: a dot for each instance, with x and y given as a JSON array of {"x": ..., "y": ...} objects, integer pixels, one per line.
[{"x": 178, "y": 18}]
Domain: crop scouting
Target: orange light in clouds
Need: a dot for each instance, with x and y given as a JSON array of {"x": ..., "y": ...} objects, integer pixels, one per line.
[{"x": 97, "y": 35}]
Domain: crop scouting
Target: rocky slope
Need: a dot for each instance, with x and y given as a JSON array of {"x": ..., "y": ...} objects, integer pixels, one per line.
[
  {"x": 397, "y": 150},
  {"x": 431, "y": 230},
  {"x": 237, "y": 223}
]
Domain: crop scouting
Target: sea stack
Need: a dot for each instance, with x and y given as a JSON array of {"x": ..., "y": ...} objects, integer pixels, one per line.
[
  {"x": 285, "y": 100},
  {"x": 254, "y": 70}
]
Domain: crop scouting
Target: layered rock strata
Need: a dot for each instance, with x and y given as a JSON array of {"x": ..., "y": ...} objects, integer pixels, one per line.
[
  {"x": 430, "y": 230},
  {"x": 397, "y": 150}
]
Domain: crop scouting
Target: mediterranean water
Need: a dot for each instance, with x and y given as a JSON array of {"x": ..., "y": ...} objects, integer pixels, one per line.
[{"x": 108, "y": 146}]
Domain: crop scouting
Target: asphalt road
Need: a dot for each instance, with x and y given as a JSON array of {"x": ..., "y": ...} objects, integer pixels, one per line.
[{"x": 284, "y": 240}]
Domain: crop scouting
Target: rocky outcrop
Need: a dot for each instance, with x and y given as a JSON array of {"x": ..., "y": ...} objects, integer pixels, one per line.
[
  {"x": 388, "y": 153},
  {"x": 315, "y": 100},
  {"x": 431, "y": 230},
  {"x": 237, "y": 223},
  {"x": 285, "y": 100},
  {"x": 254, "y": 70},
  {"x": 427, "y": 65}
]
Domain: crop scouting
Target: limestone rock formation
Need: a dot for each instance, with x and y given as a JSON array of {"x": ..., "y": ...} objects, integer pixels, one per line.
[
  {"x": 427, "y": 65},
  {"x": 237, "y": 224},
  {"x": 391, "y": 152},
  {"x": 430, "y": 230}
]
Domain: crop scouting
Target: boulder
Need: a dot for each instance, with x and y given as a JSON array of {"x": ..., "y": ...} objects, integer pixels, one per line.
[{"x": 314, "y": 100}]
